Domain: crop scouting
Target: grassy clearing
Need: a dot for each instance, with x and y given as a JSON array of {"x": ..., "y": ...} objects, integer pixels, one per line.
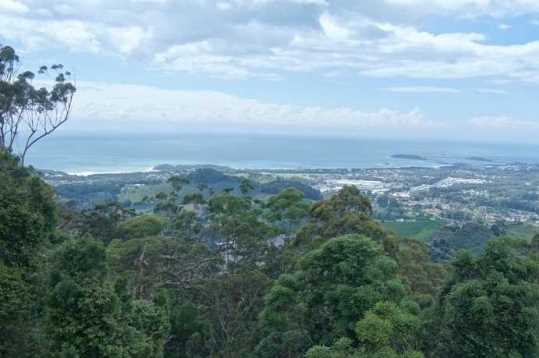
[
  {"x": 420, "y": 229},
  {"x": 523, "y": 231}
]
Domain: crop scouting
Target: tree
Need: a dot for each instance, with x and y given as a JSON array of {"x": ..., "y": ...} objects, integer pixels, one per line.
[
  {"x": 27, "y": 213},
  {"x": 101, "y": 222},
  {"x": 246, "y": 186},
  {"x": 141, "y": 226},
  {"x": 15, "y": 307},
  {"x": 490, "y": 307},
  {"x": 416, "y": 268},
  {"x": 337, "y": 284},
  {"x": 84, "y": 315},
  {"x": 89, "y": 316},
  {"x": 178, "y": 182},
  {"x": 152, "y": 263},
  {"x": 187, "y": 225},
  {"x": 29, "y": 112},
  {"x": 27, "y": 221},
  {"x": 347, "y": 212},
  {"x": 194, "y": 198},
  {"x": 387, "y": 331},
  {"x": 288, "y": 209},
  {"x": 243, "y": 239},
  {"x": 189, "y": 332},
  {"x": 232, "y": 303}
]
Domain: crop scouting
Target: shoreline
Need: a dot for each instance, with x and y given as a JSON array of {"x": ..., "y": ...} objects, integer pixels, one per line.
[{"x": 154, "y": 169}]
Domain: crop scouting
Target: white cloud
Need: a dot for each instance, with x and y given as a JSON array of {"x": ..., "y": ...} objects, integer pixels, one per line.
[
  {"x": 128, "y": 39},
  {"x": 421, "y": 89},
  {"x": 491, "y": 91},
  {"x": 333, "y": 30},
  {"x": 111, "y": 106},
  {"x": 14, "y": 6},
  {"x": 470, "y": 7},
  {"x": 118, "y": 104},
  {"x": 266, "y": 38},
  {"x": 504, "y": 123}
]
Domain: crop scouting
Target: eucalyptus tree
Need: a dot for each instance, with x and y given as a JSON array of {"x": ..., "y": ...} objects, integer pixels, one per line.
[{"x": 28, "y": 113}]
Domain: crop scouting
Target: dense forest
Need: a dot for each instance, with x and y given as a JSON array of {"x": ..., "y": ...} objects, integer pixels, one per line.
[{"x": 224, "y": 275}]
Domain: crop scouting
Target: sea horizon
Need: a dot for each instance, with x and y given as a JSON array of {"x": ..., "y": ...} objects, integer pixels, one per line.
[{"x": 115, "y": 154}]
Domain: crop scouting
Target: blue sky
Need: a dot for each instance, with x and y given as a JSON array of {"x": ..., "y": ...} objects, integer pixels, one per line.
[{"x": 458, "y": 69}]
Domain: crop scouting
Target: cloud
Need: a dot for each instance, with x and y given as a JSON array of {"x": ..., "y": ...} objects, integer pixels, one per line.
[
  {"x": 110, "y": 107},
  {"x": 491, "y": 91},
  {"x": 466, "y": 8},
  {"x": 13, "y": 6},
  {"x": 123, "y": 105},
  {"x": 238, "y": 39},
  {"x": 504, "y": 123},
  {"x": 421, "y": 89}
]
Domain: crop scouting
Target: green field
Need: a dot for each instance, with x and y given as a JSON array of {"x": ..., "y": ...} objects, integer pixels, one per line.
[
  {"x": 420, "y": 229},
  {"x": 522, "y": 231}
]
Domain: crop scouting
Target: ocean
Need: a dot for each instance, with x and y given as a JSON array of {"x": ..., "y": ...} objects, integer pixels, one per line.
[{"x": 87, "y": 154}]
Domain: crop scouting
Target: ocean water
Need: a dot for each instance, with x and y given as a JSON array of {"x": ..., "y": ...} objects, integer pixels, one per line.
[{"x": 85, "y": 154}]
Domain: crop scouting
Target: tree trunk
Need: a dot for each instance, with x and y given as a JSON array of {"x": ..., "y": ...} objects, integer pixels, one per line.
[{"x": 2, "y": 141}]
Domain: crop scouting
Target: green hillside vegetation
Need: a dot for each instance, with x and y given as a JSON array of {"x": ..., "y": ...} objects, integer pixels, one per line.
[
  {"x": 225, "y": 275},
  {"x": 205, "y": 181}
]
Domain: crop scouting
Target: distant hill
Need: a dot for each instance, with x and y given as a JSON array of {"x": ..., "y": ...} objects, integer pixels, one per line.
[
  {"x": 87, "y": 191},
  {"x": 218, "y": 180}
]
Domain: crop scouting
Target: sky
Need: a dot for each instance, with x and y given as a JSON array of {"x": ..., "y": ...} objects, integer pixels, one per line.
[{"x": 447, "y": 69}]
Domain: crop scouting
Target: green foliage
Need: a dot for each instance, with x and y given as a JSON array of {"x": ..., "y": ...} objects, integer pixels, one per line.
[
  {"x": 337, "y": 284},
  {"x": 347, "y": 212},
  {"x": 490, "y": 307},
  {"x": 450, "y": 239},
  {"x": 210, "y": 283},
  {"x": 187, "y": 225},
  {"x": 85, "y": 314},
  {"x": 389, "y": 328},
  {"x": 15, "y": 304},
  {"x": 243, "y": 238},
  {"x": 521, "y": 231},
  {"x": 158, "y": 262},
  {"x": 27, "y": 220},
  {"x": 416, "y": 268},
  {"x": 246, "y": 186},
  {"x": 141, "y": 226},
  {"x": 288, "y": 209},
  {"x": 232, "y": 304},
  {"x": 189, "y": 332},
  {"x": 83, "y": 310},
  {"x": 27, "y": 213},
  {"x": 101, "y": 222},
  {"x": 178, "y": 182},
  {"x": 194, "y": 198},
  {"x": 228, "y": 204}
]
